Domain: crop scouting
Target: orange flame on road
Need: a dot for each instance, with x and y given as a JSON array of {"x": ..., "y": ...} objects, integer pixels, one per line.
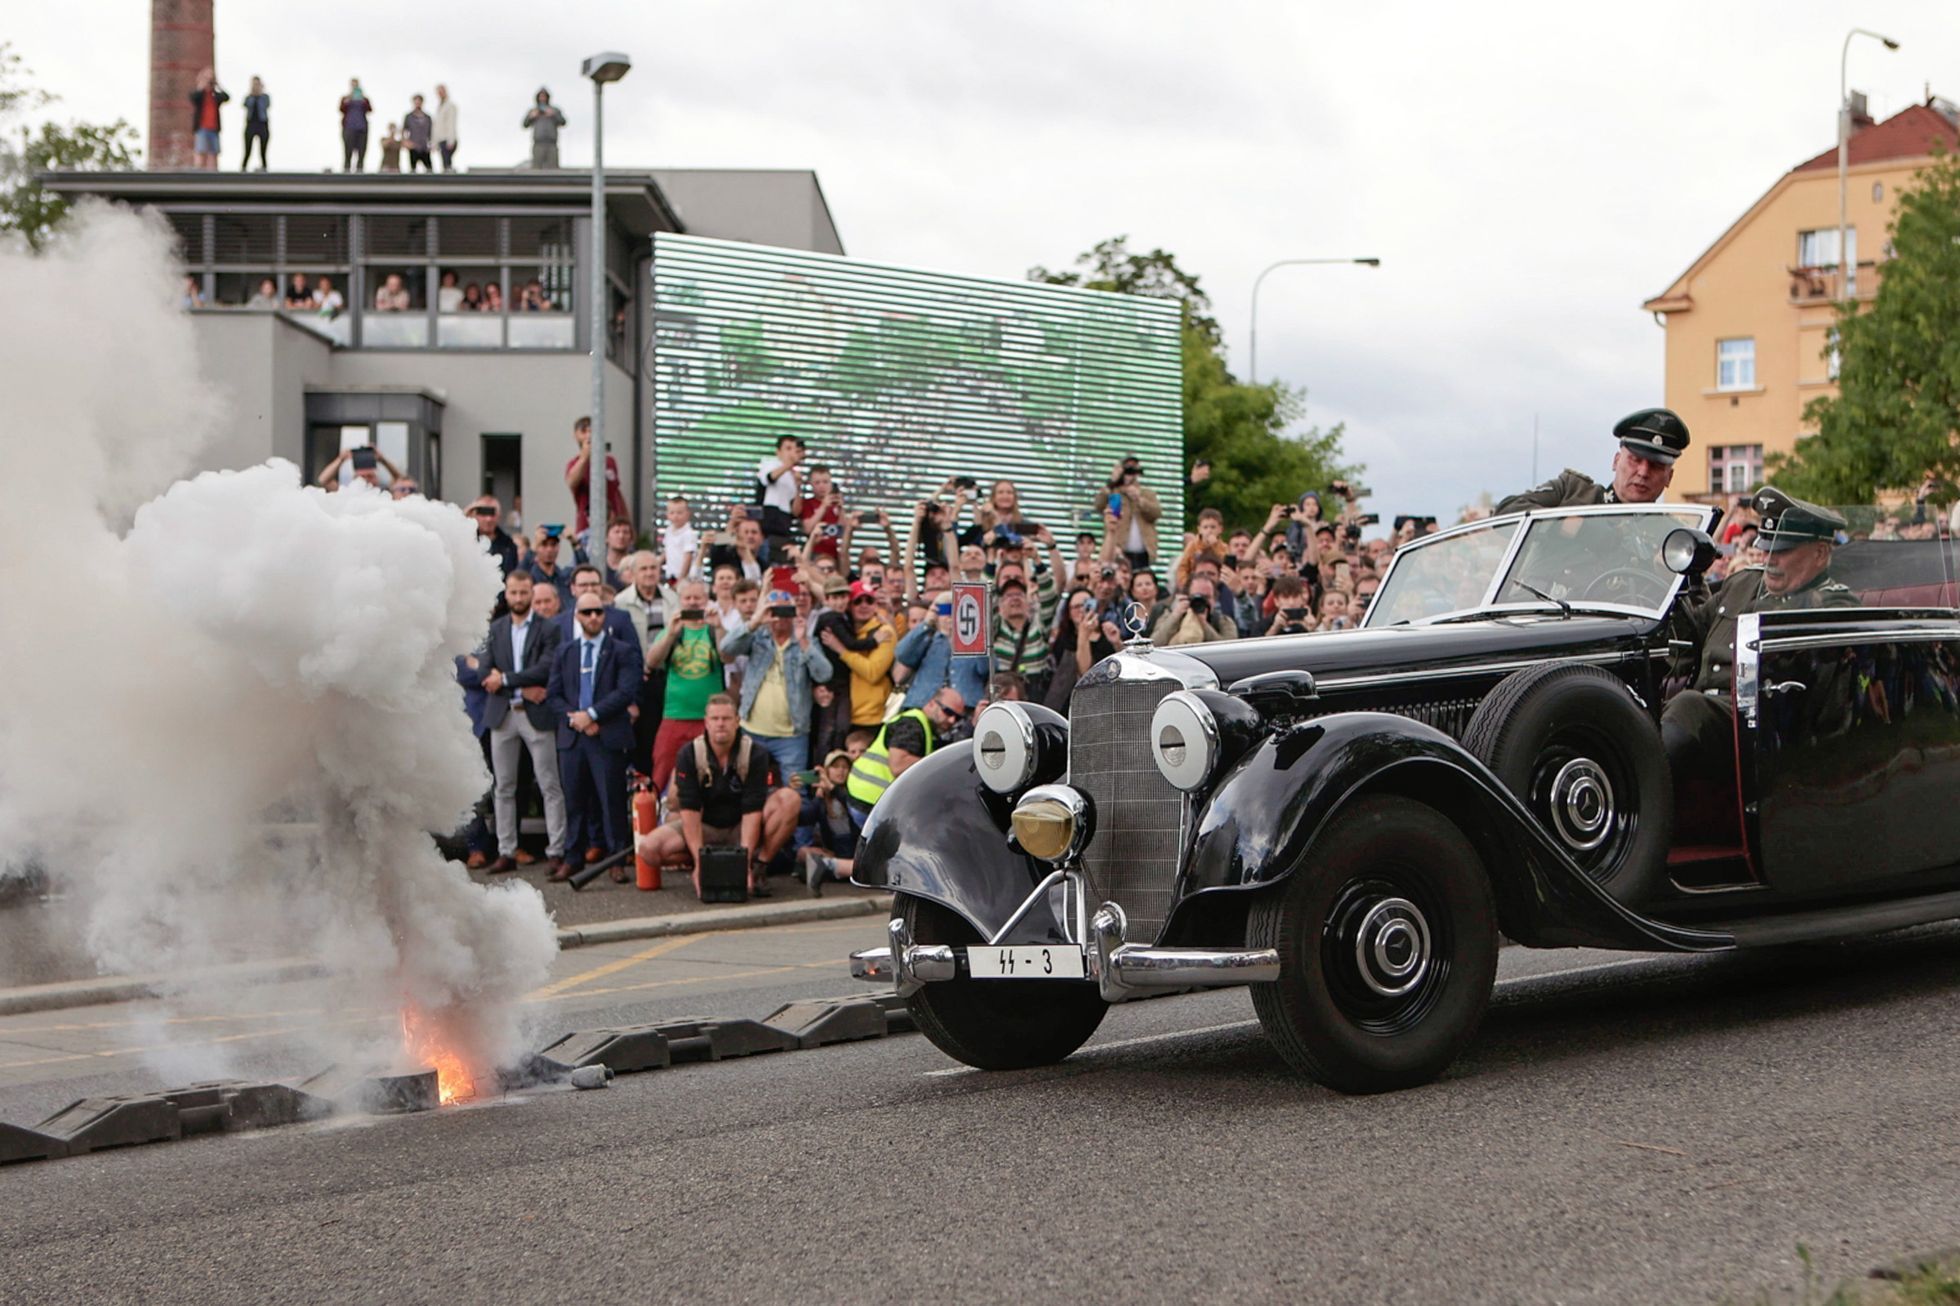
[{"x": 423, "y": 1040}]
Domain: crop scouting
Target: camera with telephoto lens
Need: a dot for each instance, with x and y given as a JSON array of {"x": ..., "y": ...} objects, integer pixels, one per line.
[{"x": 1200, "y": 604}]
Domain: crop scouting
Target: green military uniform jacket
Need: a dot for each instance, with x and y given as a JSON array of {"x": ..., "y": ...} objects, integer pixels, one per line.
[
  {"x": 1712, "y": 624},
  {"x": 1569, "y": 489}
]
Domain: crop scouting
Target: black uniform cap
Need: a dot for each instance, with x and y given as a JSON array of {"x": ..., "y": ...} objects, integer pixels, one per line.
[
  {"x": 1788, "y": 522},
  {"x": 1653, "y": 433}
]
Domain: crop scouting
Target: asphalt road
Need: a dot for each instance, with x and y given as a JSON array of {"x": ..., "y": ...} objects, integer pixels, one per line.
[{"x": 1626, "y": 1129}]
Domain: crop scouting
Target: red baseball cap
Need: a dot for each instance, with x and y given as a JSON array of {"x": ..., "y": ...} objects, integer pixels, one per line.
[{"x": 862, "y": 590}]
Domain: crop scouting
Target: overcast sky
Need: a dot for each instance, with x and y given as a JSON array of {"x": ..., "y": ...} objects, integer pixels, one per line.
[{"x": 1528, "y": 173}]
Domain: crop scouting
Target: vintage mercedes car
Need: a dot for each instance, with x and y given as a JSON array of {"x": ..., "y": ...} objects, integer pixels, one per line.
[{"x": 1349, "y": 822}]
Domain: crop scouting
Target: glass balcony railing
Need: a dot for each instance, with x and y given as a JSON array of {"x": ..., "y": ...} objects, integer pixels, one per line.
[
  {"x": 395, "y": 330},
  {"x": 543, "y": 331},
  {"x": 469, "y": 331}
]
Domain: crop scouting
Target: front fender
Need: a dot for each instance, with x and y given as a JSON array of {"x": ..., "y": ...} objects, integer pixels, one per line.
[
  {"x": 1261, "y": 821},
  {"x": 939, "y": 833}
]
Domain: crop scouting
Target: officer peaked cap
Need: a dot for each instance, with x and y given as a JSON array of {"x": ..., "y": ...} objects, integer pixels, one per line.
[
  {"x": 1788, "y": 522},
  {"x": 1653, "y": 433}
]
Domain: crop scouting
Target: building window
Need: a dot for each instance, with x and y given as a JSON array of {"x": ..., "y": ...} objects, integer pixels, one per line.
[
  {"x": 1735, "y": 468},
  {"x": 1819, "y": 249},
  {"x": 1833, "y": 356},
  {"x": 1735, "y": 364}
]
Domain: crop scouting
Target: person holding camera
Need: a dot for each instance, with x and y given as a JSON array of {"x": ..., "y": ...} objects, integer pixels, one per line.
[
  {"x": 543, "y": 120},
  {"x": 1130, "y": 510},
  {"x": 1193, "y": 617},
  {"x": 924, "y": 660},
  {"x": 1291, "y": 613},
  {"x": 689, "y": 650},
  {"x": 784, "y": 669}
]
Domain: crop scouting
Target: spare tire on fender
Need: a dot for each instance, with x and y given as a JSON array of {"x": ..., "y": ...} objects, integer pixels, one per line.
[{"x": 1578, "y": 750}]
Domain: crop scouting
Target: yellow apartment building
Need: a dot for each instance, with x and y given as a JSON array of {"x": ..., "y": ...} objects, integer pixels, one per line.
[{"x": 1749, "y": 324}]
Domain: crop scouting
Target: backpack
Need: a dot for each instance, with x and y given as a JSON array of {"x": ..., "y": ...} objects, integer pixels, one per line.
[{"x": 704, "y": 765}]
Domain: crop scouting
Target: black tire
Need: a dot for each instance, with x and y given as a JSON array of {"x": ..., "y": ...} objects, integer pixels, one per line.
[
  {"x": 1386, "y": 871},
  {"x": 996, "y": 1024},
  {"x": 1579, "y": 751}
]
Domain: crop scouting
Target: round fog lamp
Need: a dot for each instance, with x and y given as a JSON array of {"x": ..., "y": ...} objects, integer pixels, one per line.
[
  {"x": 1045, "y": 828},
  {"x": 1051, "y": 822}
]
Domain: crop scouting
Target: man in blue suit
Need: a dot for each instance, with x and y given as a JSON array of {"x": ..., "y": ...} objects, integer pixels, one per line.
[
  {"x": 595, "y": 677},
  {"x": 619, "y": 624}
]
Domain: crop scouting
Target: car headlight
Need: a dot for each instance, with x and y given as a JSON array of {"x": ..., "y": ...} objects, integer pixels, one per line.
[
  {"x": 1184, "y": 740},
  {"x": 1051, "y": 822}
]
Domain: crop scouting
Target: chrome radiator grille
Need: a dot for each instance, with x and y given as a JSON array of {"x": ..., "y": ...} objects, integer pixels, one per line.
[{"x": 1132, "y": 857}]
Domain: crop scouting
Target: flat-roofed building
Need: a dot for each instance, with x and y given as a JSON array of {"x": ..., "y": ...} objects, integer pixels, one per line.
[{"x": 461, "y": 349}]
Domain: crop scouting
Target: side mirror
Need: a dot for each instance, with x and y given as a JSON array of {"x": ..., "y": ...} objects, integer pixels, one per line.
[{"x": 1687, "y": 552}]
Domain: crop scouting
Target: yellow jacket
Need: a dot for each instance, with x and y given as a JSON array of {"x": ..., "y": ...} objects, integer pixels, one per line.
[{"x": 871, "y": 676}]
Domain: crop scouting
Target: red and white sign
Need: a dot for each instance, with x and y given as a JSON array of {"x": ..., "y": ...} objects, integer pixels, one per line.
[{"x": 970, "y": 618}]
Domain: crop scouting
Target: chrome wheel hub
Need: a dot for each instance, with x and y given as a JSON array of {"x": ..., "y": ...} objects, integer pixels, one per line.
[
  {"x": 1391, "y": 947},
  {"x": 1581, "y": 801}
]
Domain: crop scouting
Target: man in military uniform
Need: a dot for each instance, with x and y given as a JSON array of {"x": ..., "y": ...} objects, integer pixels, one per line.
[
  {"x": 1698, "y": 724},
  {"x": 1650, "y": 441}
]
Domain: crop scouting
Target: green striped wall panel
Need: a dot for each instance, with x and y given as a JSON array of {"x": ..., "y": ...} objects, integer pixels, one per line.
[{"x": 900, "y": 379}]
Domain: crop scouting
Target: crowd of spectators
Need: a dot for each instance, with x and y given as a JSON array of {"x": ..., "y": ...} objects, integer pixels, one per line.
[
  {"x": 799, "y": 628},
  {"x": 767, "y": 665}
]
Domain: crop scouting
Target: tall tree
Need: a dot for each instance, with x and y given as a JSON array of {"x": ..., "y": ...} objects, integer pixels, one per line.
[
  {"x": 26, "y": 207},
  {"x": 1896, "y": 415},
  {"x": 1240, "y": 429}
]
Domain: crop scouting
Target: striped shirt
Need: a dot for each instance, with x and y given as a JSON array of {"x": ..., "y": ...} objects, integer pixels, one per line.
[{"x": 1034, "y": 650}]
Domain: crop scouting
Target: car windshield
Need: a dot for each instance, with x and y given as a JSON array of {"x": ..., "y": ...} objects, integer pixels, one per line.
[{"x": 1605, "y": 559}]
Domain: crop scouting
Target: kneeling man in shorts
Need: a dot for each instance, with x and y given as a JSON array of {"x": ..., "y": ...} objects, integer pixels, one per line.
[{"x": 721, "y": 785}]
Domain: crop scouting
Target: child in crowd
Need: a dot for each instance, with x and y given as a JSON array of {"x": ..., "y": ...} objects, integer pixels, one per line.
[
  {"x": 825, "y": 836},
  {"x": 680, "y": 542}
]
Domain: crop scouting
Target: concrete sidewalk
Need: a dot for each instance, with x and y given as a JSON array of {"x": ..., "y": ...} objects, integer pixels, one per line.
[{"x": 749, "y": 916}]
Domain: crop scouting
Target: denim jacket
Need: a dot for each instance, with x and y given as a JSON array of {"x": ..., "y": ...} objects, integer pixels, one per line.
[
  {"x": 928, "y": 653},
  {"x": 802, "y": 670}
]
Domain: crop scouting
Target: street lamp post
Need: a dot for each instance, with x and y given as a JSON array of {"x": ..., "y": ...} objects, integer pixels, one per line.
[
  {"x": 1844, "y": 140},
  {"x": 1252, "y": 337},
  {"x": 601, "y": 68}
]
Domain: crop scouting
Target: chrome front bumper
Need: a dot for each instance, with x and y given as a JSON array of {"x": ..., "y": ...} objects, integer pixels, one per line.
[{"x": 1120, "y": 970}]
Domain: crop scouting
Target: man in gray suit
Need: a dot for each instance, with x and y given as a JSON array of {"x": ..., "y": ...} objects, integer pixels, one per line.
[{"x": 517, "y": 662}]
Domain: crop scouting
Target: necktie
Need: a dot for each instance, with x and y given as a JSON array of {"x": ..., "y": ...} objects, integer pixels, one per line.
[{"x": 587, "y": 656}]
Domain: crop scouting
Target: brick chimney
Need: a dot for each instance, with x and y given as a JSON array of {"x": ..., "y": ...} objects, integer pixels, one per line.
[{"x": 182, "y": 44}]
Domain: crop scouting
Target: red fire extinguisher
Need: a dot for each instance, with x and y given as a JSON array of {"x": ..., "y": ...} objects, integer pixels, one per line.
[{"x": 646, "y": 816}]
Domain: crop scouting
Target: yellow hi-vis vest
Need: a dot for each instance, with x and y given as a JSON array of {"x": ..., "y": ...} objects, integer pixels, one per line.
[{"x": 871, "y": 774}]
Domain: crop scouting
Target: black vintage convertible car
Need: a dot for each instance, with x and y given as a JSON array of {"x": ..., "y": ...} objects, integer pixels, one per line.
[{"x": 1349, "y": 822}]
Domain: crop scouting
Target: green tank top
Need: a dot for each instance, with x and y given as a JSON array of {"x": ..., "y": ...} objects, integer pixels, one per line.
[{"x": 693, "y": 676}]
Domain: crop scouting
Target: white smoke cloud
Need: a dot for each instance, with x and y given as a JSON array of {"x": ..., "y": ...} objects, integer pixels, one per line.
[{"x": 188, "y": 660}]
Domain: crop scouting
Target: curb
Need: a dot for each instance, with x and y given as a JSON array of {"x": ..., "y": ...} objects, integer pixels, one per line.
[{"x": 109, "y": 989}]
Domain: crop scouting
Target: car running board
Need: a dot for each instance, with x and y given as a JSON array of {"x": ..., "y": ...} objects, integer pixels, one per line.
[{"x": 1833, "y": 922}]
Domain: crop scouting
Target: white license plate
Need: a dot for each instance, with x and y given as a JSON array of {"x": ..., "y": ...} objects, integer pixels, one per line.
[{"x": 1025, "y": 962}]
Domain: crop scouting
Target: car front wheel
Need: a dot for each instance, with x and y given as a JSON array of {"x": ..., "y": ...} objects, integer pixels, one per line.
[
  {"x": 996, "y": 1024},
  {"x": 1387, "y": 942}
]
